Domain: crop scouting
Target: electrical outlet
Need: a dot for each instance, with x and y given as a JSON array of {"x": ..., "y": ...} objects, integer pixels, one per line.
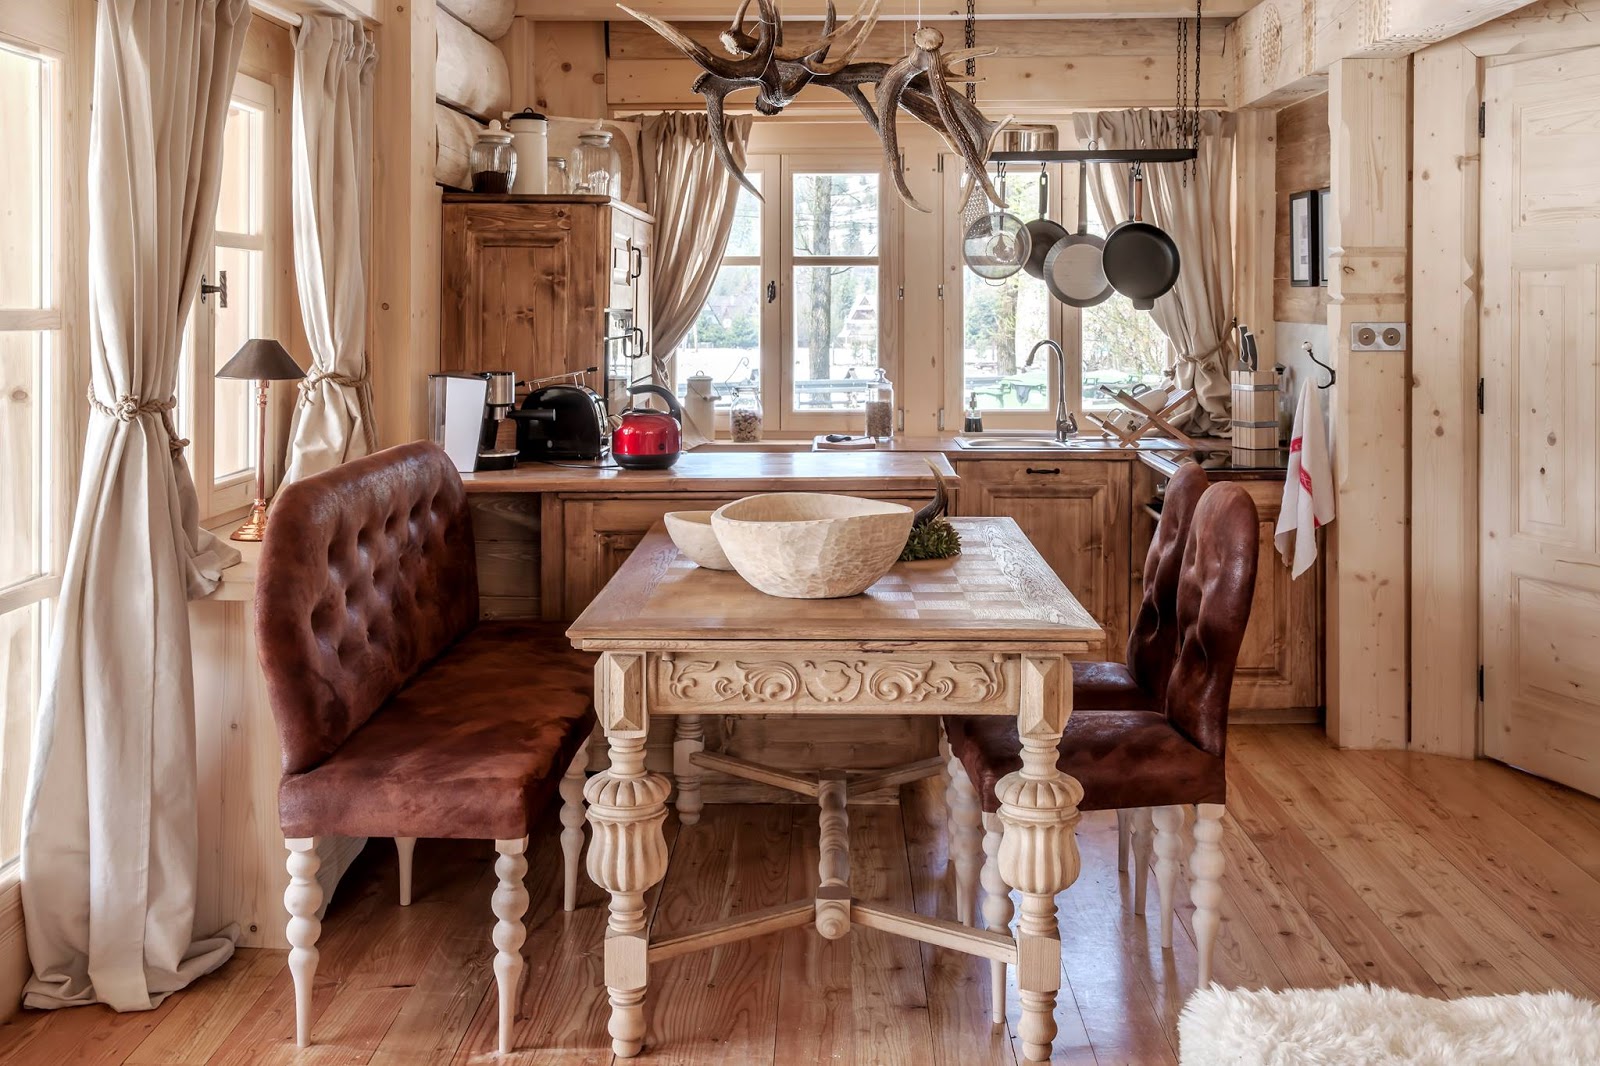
[{"x": 1378, "y": 336}]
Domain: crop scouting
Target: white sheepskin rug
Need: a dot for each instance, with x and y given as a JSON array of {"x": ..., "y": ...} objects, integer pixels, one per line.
[{"x": 1359, "y": 1026}]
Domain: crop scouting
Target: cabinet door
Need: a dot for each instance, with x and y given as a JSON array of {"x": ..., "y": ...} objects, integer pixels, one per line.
[
  {"x": 1279, "y": 661},
  {"x": 521, "y": 287},
  {"x": 1076, "y": 513},
  {"x": 641, "y": 270},
  {"x": 621, "y": 263}
]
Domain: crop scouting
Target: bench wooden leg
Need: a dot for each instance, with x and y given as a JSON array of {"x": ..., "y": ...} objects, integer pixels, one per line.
[
  {"x": 303, "y": 900},
  {"x": 997, "y": 911},
  {"x": 1169, "y": 850},
  {"x": 965, "y": 840},
  {"x": 406, "y": 847},
  {"x": 572, "y": 819},
  {"x": 1144, "y": 834},
  {"x": 510, "y": 903},
  {"x": 1124, "y": 837},
  {"x": 1206, "y": 866}
]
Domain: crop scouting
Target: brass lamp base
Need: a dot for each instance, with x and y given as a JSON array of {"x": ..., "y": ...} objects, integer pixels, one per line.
[{"x": 255, "y": 527}]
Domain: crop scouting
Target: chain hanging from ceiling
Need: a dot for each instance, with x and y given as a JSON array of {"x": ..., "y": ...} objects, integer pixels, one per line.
[
  {"x": 971, "y": 45},
  {"x": 1188, "y": 97}
]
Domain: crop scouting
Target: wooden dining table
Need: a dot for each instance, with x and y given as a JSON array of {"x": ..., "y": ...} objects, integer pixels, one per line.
[{"x": 990, "y": 631}]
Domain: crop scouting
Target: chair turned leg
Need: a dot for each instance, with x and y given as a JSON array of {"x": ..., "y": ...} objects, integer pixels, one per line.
[
  {"x": 1143, "y": 839},
  {"x": 1124, "y": 835},
  {"x": 510, "y": 903},
  {"x": 1206, "y": 866},
  {"x": 965, "y": 840},
  {"x": 997, "y": 911},
  {"x": 1169, "y": 848},
  {"x": 405, "y": 847},
  {"x": 303, "y": 899},
  {"x": 572, "y": 819}
]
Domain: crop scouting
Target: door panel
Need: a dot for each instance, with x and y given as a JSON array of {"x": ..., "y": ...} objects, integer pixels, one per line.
[{"x": 1541, "y": 453}]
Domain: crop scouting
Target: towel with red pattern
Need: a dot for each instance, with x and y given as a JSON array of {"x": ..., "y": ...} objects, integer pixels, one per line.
[{"x": 1308, "y": 490}]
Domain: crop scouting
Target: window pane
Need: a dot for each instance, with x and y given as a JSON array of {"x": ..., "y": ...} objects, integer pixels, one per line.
[
  {"x": 22, "y": 457},
  {"x": 234, "y": 416},
  {"x": 726, "y": 339},
  {"x": 1002, "y": 320},
  {"x": 1122, "y": 347},
  {"x": 240, "y": 207},
  {"x": 24, "y": 163},
  {"x": 835, "y": 335},
  {"x": 746, "y": 236},
  {"x": 21, "y": 637},
  {"x": 836, "y": 214}
]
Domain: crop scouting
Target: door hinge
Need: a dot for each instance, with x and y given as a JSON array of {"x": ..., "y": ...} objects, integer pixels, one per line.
[
  {"x": 902, "y": 292},
  {"x": 1480, "y": 682},
  {"x": 1480, "y": 396},
  {"x": 1483, "y": 118},
  {"x": 941, "y": 420},
  {"x": 941, "y": 292}
]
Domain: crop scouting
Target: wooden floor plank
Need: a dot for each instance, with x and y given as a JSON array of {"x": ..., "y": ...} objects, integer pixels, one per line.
[
  {"x": 203, "y": 1017},
  {"x": 816, "y": 1006},
  {"x": 1565, "y": 819}
]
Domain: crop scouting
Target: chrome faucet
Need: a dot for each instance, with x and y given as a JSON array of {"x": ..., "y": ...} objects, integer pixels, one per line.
[{"x": 1066, "y": 424}]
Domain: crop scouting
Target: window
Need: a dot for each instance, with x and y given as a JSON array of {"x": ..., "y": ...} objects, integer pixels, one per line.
[
  {"x": 220, "y": 417},
  {"x": 33, "y": 433},
  {"x": 796, "y": 312},
  {"x": 1110, "y": 345}
]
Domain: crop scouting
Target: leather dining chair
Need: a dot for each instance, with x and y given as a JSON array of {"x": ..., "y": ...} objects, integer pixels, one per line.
[
  {"x": 1138, "y": 684},
  {"x": 400, "y": 714},
  {"x": 1171, "y": 759}
]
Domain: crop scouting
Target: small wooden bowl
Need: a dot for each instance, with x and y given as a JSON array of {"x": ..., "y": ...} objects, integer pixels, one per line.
[
  {"x": 691, "y": 531},
  {"x": 810, "y": 545}
]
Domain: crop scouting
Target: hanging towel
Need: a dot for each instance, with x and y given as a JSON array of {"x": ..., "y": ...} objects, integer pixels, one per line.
[{"x": 1308, "y": 490}]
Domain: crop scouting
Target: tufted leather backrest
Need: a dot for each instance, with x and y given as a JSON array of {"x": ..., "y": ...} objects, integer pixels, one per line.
[
  {"x": 367, "y": 572},
  {"x": 1154, "y": 633},
  {"x": 1214, "y": 593}
]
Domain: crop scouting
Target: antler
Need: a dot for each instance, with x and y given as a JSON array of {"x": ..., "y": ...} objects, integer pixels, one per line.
[{"x": 758, "y": 58}]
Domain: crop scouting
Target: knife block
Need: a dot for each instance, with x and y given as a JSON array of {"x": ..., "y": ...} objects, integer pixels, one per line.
[{"x": 1255, "y": 409}]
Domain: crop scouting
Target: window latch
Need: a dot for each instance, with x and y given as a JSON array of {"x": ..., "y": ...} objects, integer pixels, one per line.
[
  {"x": 220, "y": 288},
  {"x": 772, "y": 291}
]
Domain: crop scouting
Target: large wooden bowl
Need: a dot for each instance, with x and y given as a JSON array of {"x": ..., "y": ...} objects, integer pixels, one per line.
[
  {"x": 811, "y": 545},
  {"x": 691, "y": 531}
]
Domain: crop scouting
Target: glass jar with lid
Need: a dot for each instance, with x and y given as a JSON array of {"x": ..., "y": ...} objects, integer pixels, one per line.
[
  {"x": 880, "y": 408},
  {"x": 493, "y": 161},
  {"x": 744, "y": 418},
  {"x": 596, "y": 167}
]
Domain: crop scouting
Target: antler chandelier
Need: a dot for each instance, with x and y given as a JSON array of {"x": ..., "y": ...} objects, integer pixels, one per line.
[{"x": 920, "y": 83}]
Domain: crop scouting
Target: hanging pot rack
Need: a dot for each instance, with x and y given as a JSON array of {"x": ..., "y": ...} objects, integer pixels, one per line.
[{"x": 1099, "y": 155}]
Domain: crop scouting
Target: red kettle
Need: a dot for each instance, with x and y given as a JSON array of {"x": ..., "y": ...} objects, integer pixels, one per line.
[{"x": 647, "y": 439}]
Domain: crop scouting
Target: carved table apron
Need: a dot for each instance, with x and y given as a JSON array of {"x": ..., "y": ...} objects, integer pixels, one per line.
[{"x": 990, "y": 632}]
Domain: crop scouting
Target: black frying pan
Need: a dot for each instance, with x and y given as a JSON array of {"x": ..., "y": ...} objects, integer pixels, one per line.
[
  {"x": 1141, "y": 260},
  {"x": 1041, "y": 230},
  {"x": 1073, "y": 269}
]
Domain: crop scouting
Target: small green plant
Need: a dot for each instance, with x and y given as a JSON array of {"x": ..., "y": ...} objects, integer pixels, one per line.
[{"x": 934, "y": 539}]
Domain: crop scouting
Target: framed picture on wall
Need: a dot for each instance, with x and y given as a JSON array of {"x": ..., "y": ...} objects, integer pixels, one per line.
[
  {"x": 1324, "y": 211},
  {"x": 1304, "y": 255}
]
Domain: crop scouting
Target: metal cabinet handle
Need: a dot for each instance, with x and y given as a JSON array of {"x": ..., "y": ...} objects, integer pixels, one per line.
[
  {"x": 638, "y": 261},
  {"x": 1044, "y": 470},
  {"x": 220, "y": 288}
]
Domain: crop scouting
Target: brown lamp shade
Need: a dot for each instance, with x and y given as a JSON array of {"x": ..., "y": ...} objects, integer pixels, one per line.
[{"x": 262, "y": 360}]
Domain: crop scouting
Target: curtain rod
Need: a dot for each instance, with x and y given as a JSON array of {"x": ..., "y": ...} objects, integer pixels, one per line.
[{"x": 275, "y": 10}]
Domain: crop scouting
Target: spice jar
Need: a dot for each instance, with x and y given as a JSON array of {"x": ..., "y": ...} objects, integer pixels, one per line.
[
  {"x": 745, "y": 417},
  {"x": 494, "y": 161},
  {"x": 596, "y": 167},
  {"x": 880, "y": 408}
]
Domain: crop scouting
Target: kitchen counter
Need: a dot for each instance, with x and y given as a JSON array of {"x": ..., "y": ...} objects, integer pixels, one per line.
[
  {"x": 717, "y": 470},
  {"x": 1221, "y": 464}
]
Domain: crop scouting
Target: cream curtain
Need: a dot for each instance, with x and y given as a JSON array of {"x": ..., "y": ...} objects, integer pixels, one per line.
[
  {"x": 692, "y": 196},
  {"x": 333, "y": 61},
  {"x": 1197, "y": 315},
  {"x": 109, "y": 828}
]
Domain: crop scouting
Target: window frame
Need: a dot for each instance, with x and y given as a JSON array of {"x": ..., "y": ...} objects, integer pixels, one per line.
[{"x": 225, "y": 498}]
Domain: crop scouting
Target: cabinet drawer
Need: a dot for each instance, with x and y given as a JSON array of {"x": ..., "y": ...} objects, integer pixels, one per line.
[{"x": 1045, "y": 470}]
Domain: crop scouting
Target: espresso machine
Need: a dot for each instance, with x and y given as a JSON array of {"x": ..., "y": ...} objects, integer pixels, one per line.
[{"x": 467, "y": 413}]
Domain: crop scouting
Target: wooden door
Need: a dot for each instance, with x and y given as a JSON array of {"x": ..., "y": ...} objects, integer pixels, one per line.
[
  {"x": 1076, "y": 513},
  {"x": 1540, "y": 463}
]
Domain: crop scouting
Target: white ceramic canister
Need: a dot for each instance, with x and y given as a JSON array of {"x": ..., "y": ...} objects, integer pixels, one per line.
[
  {"x": 700, "y": 406},
  {"x": 530, "y": 135}
]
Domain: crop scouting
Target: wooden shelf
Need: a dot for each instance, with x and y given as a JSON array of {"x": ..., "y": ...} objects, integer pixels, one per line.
[{"x": 1099, "y": 155}]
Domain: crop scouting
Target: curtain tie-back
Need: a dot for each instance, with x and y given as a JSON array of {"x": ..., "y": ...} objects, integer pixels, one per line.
[
  {"x": 127, "y": 408},
  {"x": 1205, "y": 356},
  {"x": 363, "y": 390}
]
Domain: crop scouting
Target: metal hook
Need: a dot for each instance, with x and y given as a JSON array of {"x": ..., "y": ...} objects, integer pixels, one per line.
[{"x": 1305, "y": 346}]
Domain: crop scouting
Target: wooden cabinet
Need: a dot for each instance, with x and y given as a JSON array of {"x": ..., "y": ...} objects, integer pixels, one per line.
[
  {"x": 1076, "y": 512},
  {"x": 527, "y": 282},
  {"x": 1279, "y": 675}
]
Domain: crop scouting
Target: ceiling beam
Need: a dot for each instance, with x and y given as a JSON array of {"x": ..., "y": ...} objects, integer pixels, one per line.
[
  {"x": 722, "y": 10},
  {"x": 1283, "y": 49}
]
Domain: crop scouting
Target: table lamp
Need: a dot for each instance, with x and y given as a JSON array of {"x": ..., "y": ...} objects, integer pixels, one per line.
[{"x": 260, "y": 361}]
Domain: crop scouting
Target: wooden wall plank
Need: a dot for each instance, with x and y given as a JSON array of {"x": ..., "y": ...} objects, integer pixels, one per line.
[
  {"x": 1255, "y": 177},
  {"x": 1369, "y": 112},
  {"x": 569, "y": 69},
  {"x": 1303, "y": 164}
]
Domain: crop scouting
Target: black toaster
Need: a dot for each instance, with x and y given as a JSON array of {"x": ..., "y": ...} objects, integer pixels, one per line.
[{"x": 561, "y": 422}]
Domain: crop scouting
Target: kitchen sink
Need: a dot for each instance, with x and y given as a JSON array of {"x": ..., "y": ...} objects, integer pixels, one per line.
[{"x": 1021, "y": 443}]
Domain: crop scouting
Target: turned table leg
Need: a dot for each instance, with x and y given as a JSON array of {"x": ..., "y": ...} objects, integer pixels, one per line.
[
  {"x": 1039, "y": 851},
  {"x": 628, "y": 851},
  {"x": 688, "y": 738}
]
